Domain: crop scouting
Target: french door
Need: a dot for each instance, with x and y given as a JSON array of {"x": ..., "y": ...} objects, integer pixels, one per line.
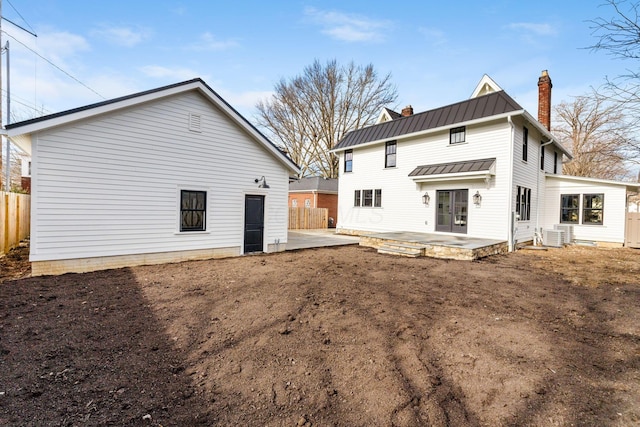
[{"x": 452, "y": 210}]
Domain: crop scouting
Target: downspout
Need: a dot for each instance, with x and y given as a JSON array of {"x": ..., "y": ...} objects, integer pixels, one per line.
[
  {"x": 537, "y": 233},
  {"x": 510, "y": 234}
]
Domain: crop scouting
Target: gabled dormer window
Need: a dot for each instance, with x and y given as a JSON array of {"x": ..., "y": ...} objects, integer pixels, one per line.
[
  {"x": 390, "y": 155},
  {"x": 525, "y": 143},
  {"x": 348, "y": 161},
  {"x": 457, "y": 135}
]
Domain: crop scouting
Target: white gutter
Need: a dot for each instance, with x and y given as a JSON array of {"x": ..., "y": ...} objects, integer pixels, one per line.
[
  {"x": 537, "y": 236},
  {"x": 511, "y": 213}
]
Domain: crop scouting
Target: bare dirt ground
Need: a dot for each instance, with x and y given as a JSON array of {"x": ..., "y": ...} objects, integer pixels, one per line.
[{"x": 326, "y": 337}]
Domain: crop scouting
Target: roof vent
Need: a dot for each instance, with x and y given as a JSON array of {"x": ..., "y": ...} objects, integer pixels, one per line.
[{"x": 195, "y": 121}]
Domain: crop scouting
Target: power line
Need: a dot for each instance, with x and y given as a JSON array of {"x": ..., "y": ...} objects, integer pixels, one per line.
[
  {"x": 54, "y": 65},
  {"x": 21, "y": 17}
]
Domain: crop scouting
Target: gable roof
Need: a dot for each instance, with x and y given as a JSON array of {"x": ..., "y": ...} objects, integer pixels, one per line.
[
  {"x": 485, "y": 106},
  {"x": 485, "y": 85},
  {"x": 18, "y": 129},
  {"x": 315, "y": 183}
]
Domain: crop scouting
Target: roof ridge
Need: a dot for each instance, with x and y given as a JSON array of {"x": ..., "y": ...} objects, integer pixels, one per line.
[{"x": 423, "y": 121}]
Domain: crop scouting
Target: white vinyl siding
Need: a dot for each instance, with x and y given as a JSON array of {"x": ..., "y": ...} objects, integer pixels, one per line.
[
  {"x": 402, "y": 208},
  {"x": 109, "y": 185},
  {"x": 528, "y": 175}
]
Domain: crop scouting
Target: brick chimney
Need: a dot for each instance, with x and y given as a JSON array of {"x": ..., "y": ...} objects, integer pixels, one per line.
[
  {"x": 544, "y": 99},
  {"x": 407, "y": 111}
]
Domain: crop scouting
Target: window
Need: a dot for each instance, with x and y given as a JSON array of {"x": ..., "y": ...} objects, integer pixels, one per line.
[
  {"x": 390, "y": 155},
  {"x": 294, "y": 203},
  {"x": 377, "y": 200},
  {"x": 348, "y": 161},
  {"x": 193, "y": 208},
  {"x": 457, "y": 135},
  {"x": 555, "y": 162},
  {"x": 541, "y": 157},
  {"x": 367, "y": 197},
  {"x": 592, "y": 208},
  {"x": 523, "y": 203},
  {"x": 525, "y": 143},
  {"x": 569, "y": 208},
  {"x": 307, "y": 203}
]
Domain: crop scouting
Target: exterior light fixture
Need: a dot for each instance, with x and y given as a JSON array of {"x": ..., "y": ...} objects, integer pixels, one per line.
[
  {"x": 262, "y": 182},
  {"x": 426, "y": 198},
  {"x": 477, "y": 198}
]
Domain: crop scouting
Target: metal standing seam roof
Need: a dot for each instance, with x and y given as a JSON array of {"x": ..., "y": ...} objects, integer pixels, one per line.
[
  {"x": 479, "y": 165},
  {"x": 472, "y": 109}
]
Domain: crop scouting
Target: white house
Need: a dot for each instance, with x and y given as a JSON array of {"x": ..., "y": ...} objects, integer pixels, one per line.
[
  {"x": 165, "y": 175},
  {"x": 479, "y": 168}
]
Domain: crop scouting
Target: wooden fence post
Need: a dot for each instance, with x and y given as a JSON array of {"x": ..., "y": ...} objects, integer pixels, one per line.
[{"x": 5, "y": 226}]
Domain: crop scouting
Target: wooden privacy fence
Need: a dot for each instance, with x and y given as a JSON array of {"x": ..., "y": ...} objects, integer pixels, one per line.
[
  {"x": 308, "y": 218},
  {"x": 15, "y": 211}
]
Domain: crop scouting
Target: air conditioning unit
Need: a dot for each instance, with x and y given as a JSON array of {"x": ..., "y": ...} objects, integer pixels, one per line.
[
  {"x": 568, "y": 232},
  {"x": 554, "y": 238}
]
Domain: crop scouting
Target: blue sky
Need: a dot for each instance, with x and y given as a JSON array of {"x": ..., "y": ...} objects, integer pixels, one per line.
[{"x": 436, "y": 51}]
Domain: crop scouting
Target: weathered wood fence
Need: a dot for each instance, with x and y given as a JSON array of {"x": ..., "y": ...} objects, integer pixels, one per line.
[
  {"x": 15, "y": 214},
  {"x": 308, "y": 218}
]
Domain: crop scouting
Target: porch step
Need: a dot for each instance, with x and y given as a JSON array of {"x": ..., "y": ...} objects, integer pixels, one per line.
[{"x": 402, "y": 249}]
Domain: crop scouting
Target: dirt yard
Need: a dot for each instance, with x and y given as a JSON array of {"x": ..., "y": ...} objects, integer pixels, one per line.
[{"x": 326, "y": 337}]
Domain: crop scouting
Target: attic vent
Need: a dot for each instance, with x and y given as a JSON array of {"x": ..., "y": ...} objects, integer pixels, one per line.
[{"x": 195, "y": 120}]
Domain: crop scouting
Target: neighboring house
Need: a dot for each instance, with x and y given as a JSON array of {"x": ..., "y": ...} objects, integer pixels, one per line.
[
  {"x": 165, "y": 175},
  {"x": 25, "y": 179},
  {"x": 315, "y": 192},
  {"x": 478, "y": 168}
]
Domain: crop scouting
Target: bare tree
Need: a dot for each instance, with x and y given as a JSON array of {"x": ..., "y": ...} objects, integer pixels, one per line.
[
  {"x": 597, "y": 133},
  {"x": 619, "y": 36},
  {"x": 308, "y": 114}
]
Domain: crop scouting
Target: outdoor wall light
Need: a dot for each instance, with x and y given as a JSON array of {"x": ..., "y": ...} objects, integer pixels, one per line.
[
  {"x": 477, "y": 198},
  {"x": 262, "y": 182},
  {"x": 426, "y": 198}
]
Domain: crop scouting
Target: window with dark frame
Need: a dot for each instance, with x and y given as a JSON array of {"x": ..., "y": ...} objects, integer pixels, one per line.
[
  {"x": 541, "y": 158},
  {"x": 523, "y": 203},
  {"x": 457, "y": 135},
  {"x": 569, "y": 208},
  {"x": 525, "y": 143},
  {"x": 367, "y": 198},
  {"x": 390, "y": 155},
  {"x": 193, "y": 208},
  {"x": 555, "y": 162},
  {"x": 348, "y": 161},
  {"x": 593, "y": 209}
]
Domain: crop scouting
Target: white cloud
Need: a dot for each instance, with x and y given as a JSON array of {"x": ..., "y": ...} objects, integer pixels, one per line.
[
  {"x": 245, "y": 102},
  {"x": 209, "y": 42},
  {"x": 349, "y": 27},
  {"x": 533, "y": 28},
  {"x": 122, "y": 36},
  {"x": 433, "y": 35},
  {"x": 56, "y": 46}
]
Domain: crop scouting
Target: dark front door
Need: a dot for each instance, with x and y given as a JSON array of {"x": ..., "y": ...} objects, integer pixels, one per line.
[
  {"x": 253, "y": 223},
  {"x": 451, "y": 213}
]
